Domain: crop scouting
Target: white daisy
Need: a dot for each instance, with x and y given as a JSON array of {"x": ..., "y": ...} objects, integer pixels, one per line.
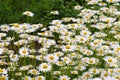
[
  {"x": 5, "y": 28},
  {"x": 34, "y": 72},
  {"x": 55, "y": 12},
  {"x": 45, "y": 67},
  {"x": 64, "y": 77},
  {"x": 14, "y": 57},
  {"x": 110, "y": 60},
  {"x": 3, "y": 71},
  {"x": 27, "y": 78},
  {"x": 51, "y": 58},
  {"x": 3, "y": 77},
  {"x": 28, "y": 13},
  {"x": 39, "y": 78},
  {"x": 24, "y": 51}
]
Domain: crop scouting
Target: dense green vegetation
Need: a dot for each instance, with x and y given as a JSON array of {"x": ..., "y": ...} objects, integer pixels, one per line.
[{"x": 11, "y": 10}]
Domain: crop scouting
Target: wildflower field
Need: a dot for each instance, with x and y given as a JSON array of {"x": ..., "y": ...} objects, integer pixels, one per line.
[{"x": 83, "y": 45}]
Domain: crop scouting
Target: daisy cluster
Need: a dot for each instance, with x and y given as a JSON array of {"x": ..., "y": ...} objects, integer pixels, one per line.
[{"x": 82, "y": 48}]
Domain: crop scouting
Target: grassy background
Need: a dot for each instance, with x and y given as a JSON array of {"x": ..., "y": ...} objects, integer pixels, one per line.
[{"x": 11, "y": 10}]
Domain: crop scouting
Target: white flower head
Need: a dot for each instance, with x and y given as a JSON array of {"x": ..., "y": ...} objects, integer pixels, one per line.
[
  {"x": 24, "y": 51},
  {"x": 45, "y": 67},
  {"x": 28, "y": 13},
  {"x": 39, "y": 78},
  {"x": 78, "y": 7},
  {"x": 54, "y": 12},
  {"x": 51, "y": 58},
  {"x": 14, "y": 57},
  {"x": 3, "y": 71},
  {"x": 64, "y": 77},
  {"x": 34, "y": 72}
]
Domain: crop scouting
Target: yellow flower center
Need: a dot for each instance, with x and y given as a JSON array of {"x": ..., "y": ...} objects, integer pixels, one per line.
[
  {"x": 73, "y": 54},
  {"x": 1, "y": 70},
  {"x": 5, "y": 28},
  {"x": 26, "y": 78},
  {"x": 85, "y": 33},
  {"x": 72, "y": 25},
  {"x": 13, "y": 56},
  {"x": 16, "y": 25},
  {"x": 56, "y": 22},
  {"x": 117, "y": 77},
  {"x": 42, "y": 32},
  {"x": 100, "y": 52},
  {"x": 58, "y": 26},
  {"x": 81, "y": 39},
  {"x": 87, "y": 75},
  {"x": 24, "y": 51},
  {"x": 67, "y": 47},
  {"x": 65, "y": 59},
  {"x": 91, "y": 61},
  {"x": 110, "y": 60},
  {"x": 58, "y": 54},
  {"x": 40, "y": 78},
  {"x": 24, "y": 27},
  {"x": 94, "y": 71},
  {"x": 45, "y": 66},
  {"x": 1, "y": 63},
  {"x": 95, "y": 43},
  {"x": 111, "y": 0},
  {"x": 2, "y": 78},
  {"x": 11, "y": 69},
  {"x": 79, "y": 67},
  {"x": 118, "y": 49},
  {"x": 34, "y": 71},
  {"x": 61, "y": 63},
  {"x": 51, "y": 57},
  {"x": 63, "y": 79},
  {"x": 66, "y": 33},
  {"x": 111, "y": 71},
  {"x": 28, "y": 13},
  {"x": 108, "y": 21},
  {"x": 88, "y": 52},
  {"x": 105, "y": 75}
]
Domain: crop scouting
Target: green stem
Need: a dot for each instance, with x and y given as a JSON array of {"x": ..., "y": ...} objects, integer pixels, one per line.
[
  {"x": 24, "y": 62},
  {"x": 27, "y": 19}
]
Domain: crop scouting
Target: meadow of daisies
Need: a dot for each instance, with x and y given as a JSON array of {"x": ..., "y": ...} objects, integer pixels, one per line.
[{"x": 83, "y": 48}]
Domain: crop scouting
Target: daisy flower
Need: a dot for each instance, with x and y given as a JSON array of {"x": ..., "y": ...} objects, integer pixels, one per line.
[
  {"x": 77, "y": 7},
  {"x": 27, "y": 78},
  {"x": 40, "y": 78},
  {"x": 68, "y": 48},
  {"x": 45, "y": 67},
  {"x": 3, "y": 71},
  {"x": 56, "y": 22},
  {"x": 64, "y": 77},
  {"x": 14, "y": 57},
  {"x": 3, "y": 77},
  {"x": 5, "y": 27},
  {"x": 54, "y": 12},
  {"x": 24, "y": 51},
  {"x": 34, "y": 72},
  {"x": 51, "y": 58},
  {"x": 110, "y": 60},
  {"x": 28, "y": 13}
]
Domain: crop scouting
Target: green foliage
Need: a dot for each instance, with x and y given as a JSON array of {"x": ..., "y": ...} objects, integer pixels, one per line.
[{"x": 11, "y": 10}]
